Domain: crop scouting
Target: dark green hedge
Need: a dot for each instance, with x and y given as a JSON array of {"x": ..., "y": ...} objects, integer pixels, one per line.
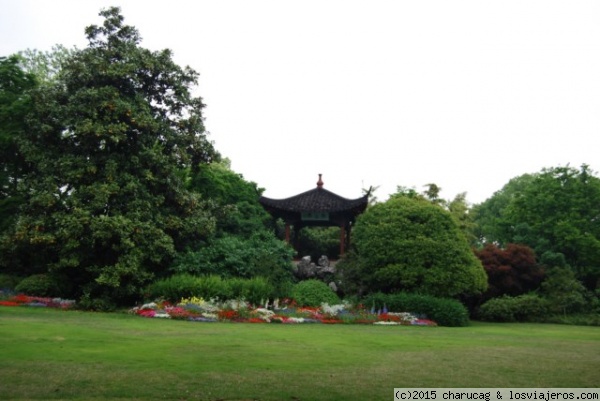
[
  {"x": 253, "y": 290},
  {"x": 444, "y": 311}
]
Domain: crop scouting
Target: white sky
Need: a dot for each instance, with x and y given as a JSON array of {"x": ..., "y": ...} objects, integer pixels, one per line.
[{"x": 464, "y": 94}]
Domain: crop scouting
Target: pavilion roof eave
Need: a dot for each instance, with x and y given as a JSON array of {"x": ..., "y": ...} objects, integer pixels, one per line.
[{"x": 316, "y": 200}]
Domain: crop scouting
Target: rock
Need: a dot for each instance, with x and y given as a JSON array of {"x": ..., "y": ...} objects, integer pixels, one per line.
[
  {"x": 333, "y": 286},
  {"x": 323, "y": 261},
  {"x": 306, "y": 269}
]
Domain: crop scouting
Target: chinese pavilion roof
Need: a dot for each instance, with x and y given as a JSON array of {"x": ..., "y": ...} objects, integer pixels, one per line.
[{"x": 315, "y": 200}]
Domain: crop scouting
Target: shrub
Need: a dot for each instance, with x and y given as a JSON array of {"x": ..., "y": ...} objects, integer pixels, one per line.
[
  {"x": 444, "y": 311},
  {"x": 103, "y": 304},
  {"x": 260, "y": 255},
  {"x": 9, "y": 282},
  {"x": 209, "y": 287},
  {"x": 499, "y": 309},
  {"x": 173, "y": 288},
  {"x": 185, "y": 286},
  {"x": 413, "y": 245},
  {"x": 257, "y": 289},
  {"x": 527, "y": 307},
  {"x": 314, "y": 293},
  {"x": 40, "y": 285}
]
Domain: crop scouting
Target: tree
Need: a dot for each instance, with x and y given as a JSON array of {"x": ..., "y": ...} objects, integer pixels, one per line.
[
  {"x": 15, "y": 103},
  {"x": 461, "y": 212},
  {"x": 410, "y": 244},
  {"x": 244, "y": 244},
  {"x": 556, "y": 212},
  {"x": 491, "y": 222},
  {"x": 511, "y": 271},
  {"x": 240, "y": 213},
  {"x": 105, "y": 203},
  {"x": 45, "y": 66},
  {"x": 564, "y": 292}
]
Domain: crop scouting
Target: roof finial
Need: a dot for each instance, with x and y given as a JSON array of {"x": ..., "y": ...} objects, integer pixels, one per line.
[{"x": 320, "y": 182}]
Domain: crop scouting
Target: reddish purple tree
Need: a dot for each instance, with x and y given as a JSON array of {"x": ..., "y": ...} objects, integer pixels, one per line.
[{"x": 511, "y": 271}]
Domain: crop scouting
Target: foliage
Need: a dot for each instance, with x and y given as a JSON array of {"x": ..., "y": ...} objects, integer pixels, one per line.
[
  {"x": 511, "y": 271},
  {"x": 460, "y": 210},
  {"x": 46, "y": 66},
  {"x": 15, "y": 103},
  {"x": 40, "y": 285},
  {"x": 240, "y": 212},
  {"x": 105, "y": 203},
  {"x": 318, "y": 241},
  {"x": 262, "y": 254},
  {"x": 9, "y": 281},
  {"x": 211, "y": 286},
  {"x": 444, "y": 311},
  {"x": 564, "y": 292},
  {"x": 96, "y": 304},
  {"x": 589, "y": 319},
  {"x": 492, "y": 224},
  {"x": 526, "y": 307},
  {"x": 555, "y": 212},
  {"x": 314, "y": 293},
  {"x": 410, "y": 244}
]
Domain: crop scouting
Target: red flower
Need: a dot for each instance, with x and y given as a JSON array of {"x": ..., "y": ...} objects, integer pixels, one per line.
[
  {"x": 384, "y": 317},
  {"x": 23, "y": 299},
  {"x": 331, "y": 321},
  {"x": 227, "y": 314}
]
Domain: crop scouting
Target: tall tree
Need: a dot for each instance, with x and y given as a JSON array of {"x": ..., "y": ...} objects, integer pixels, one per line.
[
  {"x": 556, "y": 212},
  {"x": 15, "y": 103},
  {"x": 240, "y": 213},
  {"x": 105, "y": 205}
]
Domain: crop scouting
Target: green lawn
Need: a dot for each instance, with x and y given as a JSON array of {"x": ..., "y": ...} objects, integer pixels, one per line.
[{"x": 49, "y": 354}]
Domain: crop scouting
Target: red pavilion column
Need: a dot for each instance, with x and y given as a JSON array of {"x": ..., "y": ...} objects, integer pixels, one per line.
[{"x": 342, "y": 239}]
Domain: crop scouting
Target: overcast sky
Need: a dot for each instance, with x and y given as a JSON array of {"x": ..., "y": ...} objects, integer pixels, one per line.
[{"x": 464, "y": 94}]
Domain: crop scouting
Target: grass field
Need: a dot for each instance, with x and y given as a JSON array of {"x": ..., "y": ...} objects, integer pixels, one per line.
[{"x": 50, "y": 354}]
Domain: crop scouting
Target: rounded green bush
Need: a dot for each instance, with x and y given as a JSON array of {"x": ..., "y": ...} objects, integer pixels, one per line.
[
  {"x": 444, "y": 311},
  {"x": 527, "y": 307},
  {"x": 40, "y": 285},
  {"x": 9, "y": 282},
  {"x": 314, "y": 293},
  {"x": 412, "y": 245}
]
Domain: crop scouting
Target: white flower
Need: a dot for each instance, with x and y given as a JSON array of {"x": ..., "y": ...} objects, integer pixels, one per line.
[
  {"x": 387, "y": 323},
  {"x": 162, "y": 315},
  {"x": 407, "y": 317},
  {"x": 332, "y": 310},
  {"x": 264, "y": 312}
]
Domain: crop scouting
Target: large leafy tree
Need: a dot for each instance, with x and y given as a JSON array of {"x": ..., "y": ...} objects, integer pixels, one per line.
[
  {"x": 240, "y": 213},
  {"x": 15, "y": 103},
  {"x": 107, "y": 140},
  {"x": 556, "y": 212},
  {"x": 411, "y": 244}
]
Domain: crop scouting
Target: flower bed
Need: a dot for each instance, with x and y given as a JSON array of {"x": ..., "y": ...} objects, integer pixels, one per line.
[
  {"x": 25, "y": 300},
  {"x": 200, "y": 310}
]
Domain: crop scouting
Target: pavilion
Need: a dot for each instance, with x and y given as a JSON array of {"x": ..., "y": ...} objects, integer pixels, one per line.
[{"x": 317, "y": 207}]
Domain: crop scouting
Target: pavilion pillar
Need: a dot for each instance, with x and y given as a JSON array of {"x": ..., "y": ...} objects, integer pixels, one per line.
[
  {"x": 287, "y": 232},
  {"x": 342, "y": 240}
]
